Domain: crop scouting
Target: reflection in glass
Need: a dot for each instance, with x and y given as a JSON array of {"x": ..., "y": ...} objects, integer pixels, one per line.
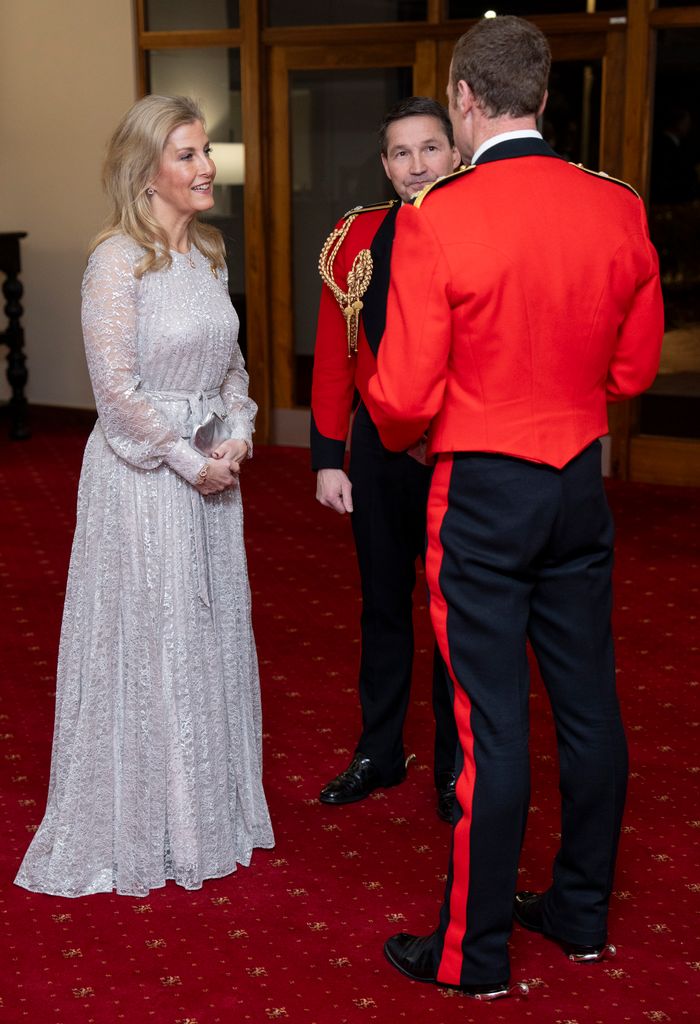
[
  {"x": 672, "y": 405},
  {"x": 334, "y": 117},
  {"x": 213, "y": 78},
  {"x": 476, "y": 8},
  {"x": 171, "y": 15},
  {"x": 340, "y": 12},
  {"x": 571, "y": 120}
]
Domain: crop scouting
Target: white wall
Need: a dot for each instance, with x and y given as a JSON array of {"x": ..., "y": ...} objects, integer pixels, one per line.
[{"x": 67, "y": 74}]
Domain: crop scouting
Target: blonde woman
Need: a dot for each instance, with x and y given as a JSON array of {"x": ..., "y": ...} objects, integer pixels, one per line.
[{"x": 157, "y": 763}]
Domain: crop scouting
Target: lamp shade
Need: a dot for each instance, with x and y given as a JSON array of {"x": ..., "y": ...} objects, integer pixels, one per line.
[{"x": 229, "y": 158}]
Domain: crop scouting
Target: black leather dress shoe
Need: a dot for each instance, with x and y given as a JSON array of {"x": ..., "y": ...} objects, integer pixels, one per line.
[
  {"x": 413, "y": 956},
  {"x": 358, "y": 780},
  {"x": 445, "y": 785},
  {"x": 527, "y": 911}
]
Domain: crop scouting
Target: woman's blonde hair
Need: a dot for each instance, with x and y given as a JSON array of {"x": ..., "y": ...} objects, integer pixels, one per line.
[{"x": 133, "y": 160}]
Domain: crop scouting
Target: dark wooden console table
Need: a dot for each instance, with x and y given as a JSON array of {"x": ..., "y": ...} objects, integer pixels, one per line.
[{"x": 13, "y": 336}]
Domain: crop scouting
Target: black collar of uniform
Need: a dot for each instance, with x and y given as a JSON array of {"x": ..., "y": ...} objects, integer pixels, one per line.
[
  {"x": 375, "y": 298},
  {"x": 528, "y": 146}
]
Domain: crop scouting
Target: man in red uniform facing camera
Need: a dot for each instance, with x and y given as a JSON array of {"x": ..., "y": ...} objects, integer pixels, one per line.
[
  {"x": 386, "y": 492},
  {"x": 524, "y": 295}
]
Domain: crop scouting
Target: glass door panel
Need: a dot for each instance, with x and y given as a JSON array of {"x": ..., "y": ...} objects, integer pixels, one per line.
[
  {"x": 571, "y": 120},
  {"x": 335, "y": 165},
  {"x": 174, "y": 15},
  {"x": 672, "y": 405}
]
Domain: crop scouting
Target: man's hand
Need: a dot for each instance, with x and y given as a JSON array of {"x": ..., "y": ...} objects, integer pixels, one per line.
[
  {"x": 334, "y": 490},
  {"x": 419, "y": 451}
]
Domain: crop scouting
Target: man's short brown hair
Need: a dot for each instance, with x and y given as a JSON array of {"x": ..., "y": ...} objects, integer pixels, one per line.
[
  {"x": 415, "y": 106},
  {"x": 505, "y": 62}
]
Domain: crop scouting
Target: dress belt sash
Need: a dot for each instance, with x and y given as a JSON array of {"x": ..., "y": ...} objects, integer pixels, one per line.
[{"x": 197, "y": 402}]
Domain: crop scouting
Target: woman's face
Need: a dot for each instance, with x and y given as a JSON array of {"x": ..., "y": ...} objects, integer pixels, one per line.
[{"x": 184, "y": 183}]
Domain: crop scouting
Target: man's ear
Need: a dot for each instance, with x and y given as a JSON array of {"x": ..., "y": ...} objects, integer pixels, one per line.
[
  {"x": 385, "y": 165},
  {"x": 543, "y": 104},
  {"x": 465, "y": 98},
  {"x": 456, "y": 158}
]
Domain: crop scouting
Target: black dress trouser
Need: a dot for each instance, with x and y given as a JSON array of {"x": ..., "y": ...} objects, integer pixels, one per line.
[
  {"x": 519, "y": 550},
  {"x": 390, "y": 493}
]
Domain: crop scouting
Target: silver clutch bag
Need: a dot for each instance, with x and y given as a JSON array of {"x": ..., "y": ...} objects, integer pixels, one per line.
[{"x": 209, "y": 434}]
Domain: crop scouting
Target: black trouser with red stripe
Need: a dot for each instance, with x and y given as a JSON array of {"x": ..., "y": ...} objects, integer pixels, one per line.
[
  {"x": 520, "y": 550},
  {"x": 390, "y": 497}
]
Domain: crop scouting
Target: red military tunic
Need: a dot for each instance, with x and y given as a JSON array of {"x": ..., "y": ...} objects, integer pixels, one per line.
[
  {"x": 476, "y": 348},
  {"x": 336, "y": 376}
]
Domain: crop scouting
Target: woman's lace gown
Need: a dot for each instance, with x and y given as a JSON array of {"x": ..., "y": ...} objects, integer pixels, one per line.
[{"x": 156, "y": 769}]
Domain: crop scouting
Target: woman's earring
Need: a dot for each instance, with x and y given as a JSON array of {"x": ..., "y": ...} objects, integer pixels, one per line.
[{"x": 150, "y": 191}]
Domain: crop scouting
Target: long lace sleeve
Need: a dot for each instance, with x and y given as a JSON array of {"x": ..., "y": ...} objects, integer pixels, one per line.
[
  {"x": 134, "y": 429},
  {"x": 240, "y": 407}
]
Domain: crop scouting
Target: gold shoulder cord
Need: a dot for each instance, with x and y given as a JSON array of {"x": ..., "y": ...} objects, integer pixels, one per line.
[
  {"x": 358, "y": 279},
  {"x": 604, "y": 174}
]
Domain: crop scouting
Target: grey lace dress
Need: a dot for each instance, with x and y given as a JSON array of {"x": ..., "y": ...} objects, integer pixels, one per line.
[{"x": 156, "y": 768}]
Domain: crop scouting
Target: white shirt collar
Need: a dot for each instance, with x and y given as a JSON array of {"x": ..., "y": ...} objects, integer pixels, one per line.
[{"x": 521, "y": 133}]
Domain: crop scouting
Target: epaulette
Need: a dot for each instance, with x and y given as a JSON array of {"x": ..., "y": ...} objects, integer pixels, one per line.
[
  {"x": 448, "y": 178},
  {"x": 369, "y": 209},
  {"x": 607, "y": 177}
]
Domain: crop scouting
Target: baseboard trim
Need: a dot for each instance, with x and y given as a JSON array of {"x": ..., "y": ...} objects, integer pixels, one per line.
[{"x": 290, "y": 427}]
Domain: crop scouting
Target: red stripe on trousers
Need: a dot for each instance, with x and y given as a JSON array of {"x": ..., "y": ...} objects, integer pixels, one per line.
[{"x": 450, "y": 966}]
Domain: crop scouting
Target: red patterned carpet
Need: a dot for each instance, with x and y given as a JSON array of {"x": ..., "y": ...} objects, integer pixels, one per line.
[{"x": 298, "y": 936}]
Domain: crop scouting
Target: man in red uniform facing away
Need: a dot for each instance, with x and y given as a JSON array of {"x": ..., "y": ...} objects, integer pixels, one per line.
[
  {"x": 386, "y": 492},
  {"x": 524, "y": 295}
]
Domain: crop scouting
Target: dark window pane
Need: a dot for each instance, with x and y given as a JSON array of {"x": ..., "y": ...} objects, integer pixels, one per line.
[
  {"x": 476, "y": 9},
  {"x": 340, "y": 12},
  {"x": 672, "y": 405},
  {"x": 335, "y": 165},
  {"x": 571, "y": 120},
  {"x": 170, "y": 15}
]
